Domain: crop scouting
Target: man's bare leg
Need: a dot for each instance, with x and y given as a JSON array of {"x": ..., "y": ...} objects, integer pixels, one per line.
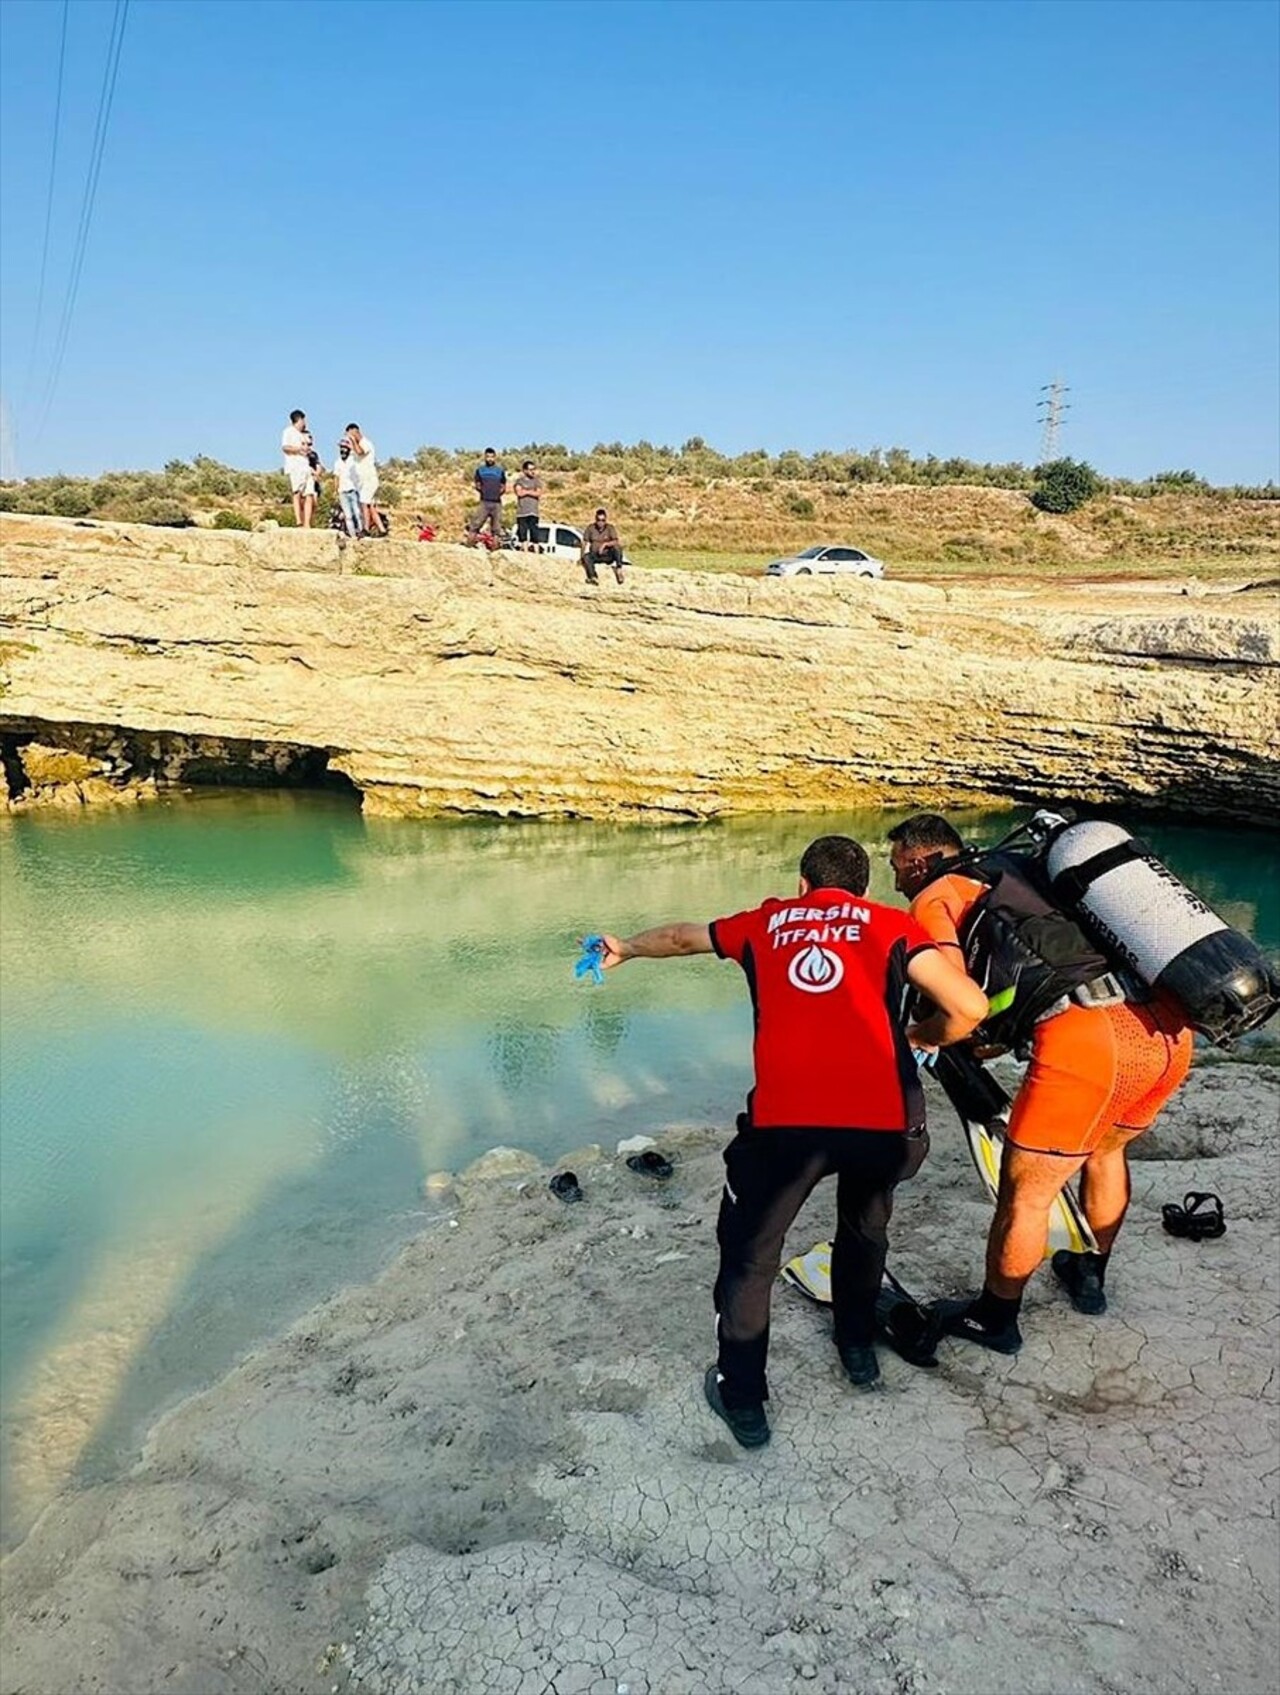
[
  {"x": 297, "y": 509},
  {"x": 1105, "y": 1186},
  {"x": 1029, "y": 1185},
  {"x": 308, "y": 509}
]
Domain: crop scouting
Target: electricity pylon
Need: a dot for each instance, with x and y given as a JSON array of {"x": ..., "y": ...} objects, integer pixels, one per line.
[{"x": 1050, "y": 411}]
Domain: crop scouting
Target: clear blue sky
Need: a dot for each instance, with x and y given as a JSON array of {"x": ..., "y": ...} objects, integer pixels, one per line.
[{"x": 806, "y": 225}]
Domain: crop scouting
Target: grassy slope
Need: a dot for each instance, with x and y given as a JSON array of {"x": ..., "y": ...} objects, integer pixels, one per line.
[
  {"x": 736, "y": 524},
  {"x": 675, "y": 513}
]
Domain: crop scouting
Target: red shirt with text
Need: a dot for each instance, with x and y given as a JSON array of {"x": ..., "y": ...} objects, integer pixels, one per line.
[{"x": 828, "y": 978}]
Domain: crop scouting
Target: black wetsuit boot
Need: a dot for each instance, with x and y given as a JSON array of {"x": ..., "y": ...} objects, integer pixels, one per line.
[
  {"x": 990, "y": 1320},
  {"x": 1083, "y": 1277}
]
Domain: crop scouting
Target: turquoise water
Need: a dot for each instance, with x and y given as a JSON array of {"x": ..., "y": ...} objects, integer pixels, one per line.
[{"x": 239, "y": 1031}]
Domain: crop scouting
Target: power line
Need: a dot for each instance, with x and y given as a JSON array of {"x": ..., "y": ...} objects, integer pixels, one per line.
[
  {"x": 48, "y": 204},
  {"x": 105, "y": 99}
]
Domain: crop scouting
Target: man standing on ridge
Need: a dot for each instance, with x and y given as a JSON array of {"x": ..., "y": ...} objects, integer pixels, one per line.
[
  {"x": 490, "y": 479},
  {"x": 528, "y": 494},
  {"x": 366, "y": 469},
  {"x": 1101, "y": 1071},
  {"x": 299, "y": 450},
  {"x": 348, "y": 489},
  {"x": 836, "y": 1093}
]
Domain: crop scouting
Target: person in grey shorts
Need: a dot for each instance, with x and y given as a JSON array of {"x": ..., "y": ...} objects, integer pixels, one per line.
[
  {"x": 490, "y": 481},
  {"x": 528, "y": 494}
]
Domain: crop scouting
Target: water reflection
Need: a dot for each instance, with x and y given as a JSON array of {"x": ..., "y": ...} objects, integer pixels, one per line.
[{"x": 237, "y": 1033}]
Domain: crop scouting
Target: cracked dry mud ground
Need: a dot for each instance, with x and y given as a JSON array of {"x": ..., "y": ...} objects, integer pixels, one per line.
[{"x": 492, "y": 1471}]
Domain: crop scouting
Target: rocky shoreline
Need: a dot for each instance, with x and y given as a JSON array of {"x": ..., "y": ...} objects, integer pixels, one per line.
[
  {"x": 490, "y": 1471},
  {"x": 429, "y": 679}
]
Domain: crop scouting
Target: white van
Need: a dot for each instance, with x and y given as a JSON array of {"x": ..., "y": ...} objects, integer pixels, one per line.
[{"x": 561, "y": 541}]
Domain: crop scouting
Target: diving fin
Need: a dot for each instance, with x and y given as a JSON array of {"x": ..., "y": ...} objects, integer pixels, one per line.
[
  {"x": 1068, "y": 1226},
  {"x": 901, "y": 1321},
  {"x": 984, "y": 1108},
  {"x": 811, "y": 1273}
]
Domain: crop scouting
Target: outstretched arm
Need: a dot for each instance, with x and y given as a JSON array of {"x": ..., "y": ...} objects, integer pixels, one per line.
[
  {"x": 664, "y": 941},
  {"x": 960, "y": 1005}
]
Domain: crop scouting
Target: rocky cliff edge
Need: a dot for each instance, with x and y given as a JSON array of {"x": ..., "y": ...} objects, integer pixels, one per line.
[{"x": 439, "y": 679}]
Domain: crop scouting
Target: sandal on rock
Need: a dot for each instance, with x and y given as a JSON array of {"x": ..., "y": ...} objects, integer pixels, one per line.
[
  {"x": 565, "y": 1186},
  {"x": 650, "y": 1163},
  {"x": 1190, "y": 1221}
]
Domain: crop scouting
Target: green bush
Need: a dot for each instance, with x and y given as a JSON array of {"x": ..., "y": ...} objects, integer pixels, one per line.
[
  {"x": 225, "y": 520},
  {"x": 169, "y": 513},
  {"x": 1177, "y": 482},
  {"x": 1064, "y": 485},
  {"x": 964, "y": 549},
  {"x": 800, "y": 506},
  {"x": 70, "y": 502}
]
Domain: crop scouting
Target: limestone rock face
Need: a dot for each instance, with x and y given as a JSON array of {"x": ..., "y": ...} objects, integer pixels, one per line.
[{"x": 439, "y": 679}]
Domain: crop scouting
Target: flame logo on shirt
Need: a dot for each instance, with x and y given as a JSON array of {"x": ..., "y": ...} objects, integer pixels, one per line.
[{"x": 816, "y": 970}]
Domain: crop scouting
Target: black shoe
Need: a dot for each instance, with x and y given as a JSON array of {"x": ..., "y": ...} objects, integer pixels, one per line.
[
  {"x": 593, "y": 579},
  {"x": 959, "y": 1318},
  {"x": 1081, "y": 1277},
  {"x": 565, "y": 1186},
  {"x": 747, "y": 1425},
  {"x": 650, "y": 1163},
  {"x": 861, "y": 1366}
]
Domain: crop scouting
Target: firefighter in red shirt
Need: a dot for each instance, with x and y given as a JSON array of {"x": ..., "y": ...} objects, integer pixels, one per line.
[{"x": 836, "y": 1094}]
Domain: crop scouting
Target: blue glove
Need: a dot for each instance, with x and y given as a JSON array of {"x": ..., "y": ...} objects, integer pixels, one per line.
[{"x": 589, "y": 964}]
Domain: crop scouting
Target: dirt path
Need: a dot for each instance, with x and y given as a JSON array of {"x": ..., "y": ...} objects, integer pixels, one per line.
[{"x": 491, "y": 1471}]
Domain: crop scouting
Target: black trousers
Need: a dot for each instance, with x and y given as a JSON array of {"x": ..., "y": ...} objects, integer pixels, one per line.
[
  {"x": 608, "y": 555},
  {"x": 527, "y": 526},
  {"x": 769, "y": 1175}
]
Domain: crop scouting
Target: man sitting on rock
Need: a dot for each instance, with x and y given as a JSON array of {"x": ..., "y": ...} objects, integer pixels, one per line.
[
  {"x": 836, "y": 1094},
  {"x": 601, "y": 545}
]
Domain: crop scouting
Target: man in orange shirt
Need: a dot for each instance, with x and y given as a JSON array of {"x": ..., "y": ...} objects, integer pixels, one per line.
[{"x": 1099, "y": 1076}]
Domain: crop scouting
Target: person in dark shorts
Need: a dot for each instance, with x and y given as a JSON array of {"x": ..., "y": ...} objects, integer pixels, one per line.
[
  {"x": 490, "y": 479},
  {"x": 528, "y": 494},
  {"x": 837, "y": 1093},
  {"x": 601, "y": 545}
]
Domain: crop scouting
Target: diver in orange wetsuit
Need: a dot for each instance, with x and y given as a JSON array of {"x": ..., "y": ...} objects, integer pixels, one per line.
[{"x": 1099, "y": 1076}]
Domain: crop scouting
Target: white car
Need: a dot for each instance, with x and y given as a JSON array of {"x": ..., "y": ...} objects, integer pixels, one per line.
[
  {"x": 562, "y": 541},
  {"x": 825, "y": 561}
]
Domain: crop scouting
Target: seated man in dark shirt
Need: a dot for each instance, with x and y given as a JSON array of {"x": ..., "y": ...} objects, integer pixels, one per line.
[{"x": 601, "y": 545}]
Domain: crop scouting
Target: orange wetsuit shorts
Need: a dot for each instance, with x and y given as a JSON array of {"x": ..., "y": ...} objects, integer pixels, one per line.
[{"x": 1093, "y": 1068}]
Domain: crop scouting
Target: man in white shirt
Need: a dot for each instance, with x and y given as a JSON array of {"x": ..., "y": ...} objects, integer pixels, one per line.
[
  {"x": 362, "y": 451},
  {"x": 299, "y": 453}
]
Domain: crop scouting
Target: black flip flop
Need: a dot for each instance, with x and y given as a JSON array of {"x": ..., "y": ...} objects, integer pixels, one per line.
[
  {"x": 565, "y": 1186},
  {"x": 1191, "y": 1221},
  {"x": 650, "y": 1163}
]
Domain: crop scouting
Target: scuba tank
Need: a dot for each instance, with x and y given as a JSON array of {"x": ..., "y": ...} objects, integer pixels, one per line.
[{"x": 1151, "y": 925}]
